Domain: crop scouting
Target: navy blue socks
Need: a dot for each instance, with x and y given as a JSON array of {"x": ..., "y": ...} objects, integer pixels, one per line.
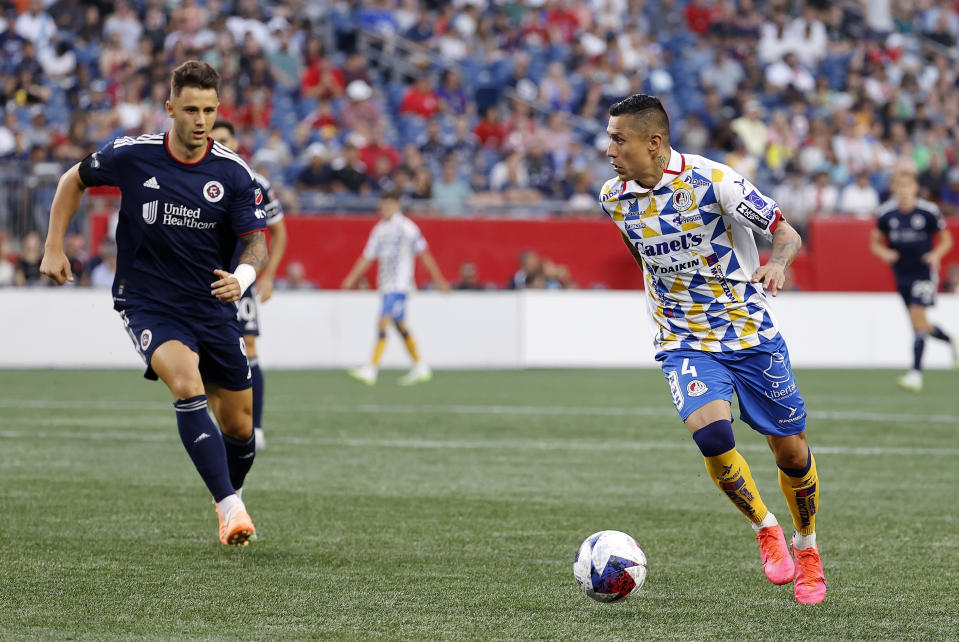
[{"x": 204, "y": 443}]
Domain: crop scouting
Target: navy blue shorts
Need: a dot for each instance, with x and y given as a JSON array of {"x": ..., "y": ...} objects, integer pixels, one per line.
[
  {"x": 394, "y": 306},
  {"x": 248, "y": 312},
  {"x": 769, "y": 399},
  {"x": 220, "y": 346},
  {"x": 917, "y": 291}
]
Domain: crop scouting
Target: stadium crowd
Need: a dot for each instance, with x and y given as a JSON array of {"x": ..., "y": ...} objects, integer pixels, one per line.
[{"x": 492, "y": 106}]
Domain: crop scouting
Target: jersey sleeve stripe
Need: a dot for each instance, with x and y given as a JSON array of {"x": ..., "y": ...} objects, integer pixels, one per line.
[
  {"x": 262, "y": 229},
  {"x": 222, "y": 152}
]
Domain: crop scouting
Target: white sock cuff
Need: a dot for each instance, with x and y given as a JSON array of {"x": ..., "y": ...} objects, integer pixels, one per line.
[
  {"x": 804, "y": 541},
  {"x": 769, "y": 520}
]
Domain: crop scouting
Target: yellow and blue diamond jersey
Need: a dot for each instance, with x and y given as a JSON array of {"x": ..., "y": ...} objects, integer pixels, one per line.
[{"x": 694, "y": 231}]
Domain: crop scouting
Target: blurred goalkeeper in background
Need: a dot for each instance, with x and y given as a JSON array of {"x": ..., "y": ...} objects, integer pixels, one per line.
[
  {"x": 185, "y": 201},
  {"x": 690, "y": 223}
]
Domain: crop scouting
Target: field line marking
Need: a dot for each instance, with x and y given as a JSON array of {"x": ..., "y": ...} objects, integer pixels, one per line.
[{"x": 453, "y": 444}]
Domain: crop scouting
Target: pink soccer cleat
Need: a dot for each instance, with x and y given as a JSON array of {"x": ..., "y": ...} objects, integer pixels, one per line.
[
  {"x": 777, "y": 563},
  {"x": 810, "y": 586}
]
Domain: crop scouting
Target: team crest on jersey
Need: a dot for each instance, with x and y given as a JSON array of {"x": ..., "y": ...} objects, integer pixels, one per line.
[
  {"x": 257, "y": 195},
  {"x": 150, "y": 212},
  {"x": 682, "y": 200},
  {"x": 145, "y": 338},
  {"x": 917, "y": 222},
  {"x": 213, "y": 191},
  {"x": 696, "y": 388}
]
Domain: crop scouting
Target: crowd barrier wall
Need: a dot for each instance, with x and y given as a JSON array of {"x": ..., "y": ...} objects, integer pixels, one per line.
[
  {"x": 74, "y": 328},
  {"x": 835, "y": 257}
]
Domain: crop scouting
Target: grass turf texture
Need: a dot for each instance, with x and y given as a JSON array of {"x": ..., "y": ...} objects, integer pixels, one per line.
[{"x": 452, "y": 510}]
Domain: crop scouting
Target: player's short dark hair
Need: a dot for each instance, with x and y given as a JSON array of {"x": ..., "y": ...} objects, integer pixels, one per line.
[
  {"x": 391, "y": 192},
  {"x": 194, "y": 73},
  {"x": 227, "y": 125},
  {"x": 648, "y": 109}
]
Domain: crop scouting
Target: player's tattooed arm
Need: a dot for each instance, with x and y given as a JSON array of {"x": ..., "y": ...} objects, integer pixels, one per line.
[
  {"x": 786, "y": 244},
  {"x": 254, "y": 250}
]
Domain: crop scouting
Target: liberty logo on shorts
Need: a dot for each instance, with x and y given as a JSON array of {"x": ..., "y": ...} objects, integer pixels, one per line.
[
  {"x": 213, "y": 191},
  {"x": 776, "y": 372},
  {"x": 145, "y": 338}
]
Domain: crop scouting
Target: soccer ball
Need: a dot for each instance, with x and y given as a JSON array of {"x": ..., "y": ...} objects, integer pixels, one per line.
[{"x": 609, "y": 566}]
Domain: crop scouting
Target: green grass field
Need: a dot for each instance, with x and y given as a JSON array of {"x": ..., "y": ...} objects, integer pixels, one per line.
[{"x": 452, "y": 511}]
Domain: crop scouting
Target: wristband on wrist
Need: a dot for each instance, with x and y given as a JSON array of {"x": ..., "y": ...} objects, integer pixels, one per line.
[{"x": 245, "y": 275}]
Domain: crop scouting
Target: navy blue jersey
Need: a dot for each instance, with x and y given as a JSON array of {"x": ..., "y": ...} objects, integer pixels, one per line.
[
  {"x": 911, "y": 234},
  {"x": 178, "y": 222},
  {"x": 264, "y": 197}
]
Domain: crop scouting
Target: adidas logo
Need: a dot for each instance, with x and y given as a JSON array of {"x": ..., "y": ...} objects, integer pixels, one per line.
[
  {"x": 152, "y": 183},
  {"x": 201, "y": 438}
]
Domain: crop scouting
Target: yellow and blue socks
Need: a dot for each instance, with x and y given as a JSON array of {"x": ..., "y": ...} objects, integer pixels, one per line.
[
  {"x": 204, "y": 443},
  {"x": 729, "y": 470},
  {"x": 410, "y": 345},
  {"x": 378, "y": 350},
  {"x": 801, "y": 489}
]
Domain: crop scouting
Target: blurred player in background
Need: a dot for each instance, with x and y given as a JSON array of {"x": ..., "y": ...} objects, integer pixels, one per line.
[
  {"x": 903, "y": 238},
  {"x": 690, "y": 223},
  {"x": 248, "y": 309},
  {"x": 185, "y": 201},
  {"x": 395, "y": 242}
]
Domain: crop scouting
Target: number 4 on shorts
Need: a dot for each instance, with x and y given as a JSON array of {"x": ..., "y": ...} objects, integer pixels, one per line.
[{"x": 688, "y": 369}]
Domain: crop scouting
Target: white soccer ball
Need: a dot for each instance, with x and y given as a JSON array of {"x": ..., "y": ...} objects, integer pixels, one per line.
[{"x": 609, "y": 566}]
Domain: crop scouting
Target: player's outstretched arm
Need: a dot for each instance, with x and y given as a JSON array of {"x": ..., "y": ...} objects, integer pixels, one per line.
[
  {"x": 278, "y": 238},
  {"x": 362, "y": 265},
  {"x": 877, "y": 245},
  {"x": 786, "y": 244},
  {"x": 434, "y": 271},
  {"x": 230, "y": 287},
  {"x": 66, "y": 201}
]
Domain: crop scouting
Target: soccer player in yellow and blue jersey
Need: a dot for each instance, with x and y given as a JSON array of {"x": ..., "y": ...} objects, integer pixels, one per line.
[{"x": 690, "y": 223}]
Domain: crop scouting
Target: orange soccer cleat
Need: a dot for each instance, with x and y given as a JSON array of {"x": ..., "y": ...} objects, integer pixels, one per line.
[
  {"x": 777, "y": 563},
  {"x": 810, "y": 586},
  {"x": 236, "y": 529}
]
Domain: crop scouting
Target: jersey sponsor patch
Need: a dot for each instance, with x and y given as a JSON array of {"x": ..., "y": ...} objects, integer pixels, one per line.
[
  {"x": 213, "y": 191},
  {"x": 696, "y": 388},
  {"x": 756, "y": 200},
  {"x": 753, "y": 216},
  {"x": 150, "y": 212}
]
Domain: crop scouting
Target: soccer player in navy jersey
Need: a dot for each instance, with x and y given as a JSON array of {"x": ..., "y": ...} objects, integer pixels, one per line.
[
  {"x": 248, "y": 309},
  {"x": 903, "y": 238},
  {"x": 185, "y": 200},
  {"x": 690, "y": 223}
]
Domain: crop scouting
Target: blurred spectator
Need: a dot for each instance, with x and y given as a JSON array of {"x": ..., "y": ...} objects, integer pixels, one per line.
[
  {"x": 490, "y": 131},
  {"x": 859, "y": 199},
  {"x": 36, "y": 25},
  {"x": 949, "y": 196},
  {"x": 821, "y": 195},
  {"x": 380, "y": 157},
  {"x": 452, "y": 96},
  {"x": 7, "y": 271},
  {"x": 420, "y": 99},
  {"x": 102, "y": 275},
  {"x": 529, "y": 269},
  {"x": 320, "y": 79},
  {"x": 450, "y": 192},
  {"x": 75, "y": 249},
  {"x": 468, "y": 278},
  {"x": 751, "y": 129},
  {"x": 28, "y": 263},
  {"x": 360, "y": 109},
  {"x": 347, "y": 173},
  {"x": 295, "y": 278},
  {"x": 315, "y": 176}
]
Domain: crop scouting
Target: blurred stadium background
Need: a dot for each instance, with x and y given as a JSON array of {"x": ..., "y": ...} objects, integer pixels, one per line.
[
  {"x": 489, "y": 113},
  {"x": 452, "y": 510}
]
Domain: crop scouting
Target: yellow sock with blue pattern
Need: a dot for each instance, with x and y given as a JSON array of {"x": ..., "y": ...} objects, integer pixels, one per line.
[
  {"x": 728, "y": 470},
  {"x": 411, "y": 346},
  {"x": 378, "y": 350},
  {"x": 801, "y": 489}
]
